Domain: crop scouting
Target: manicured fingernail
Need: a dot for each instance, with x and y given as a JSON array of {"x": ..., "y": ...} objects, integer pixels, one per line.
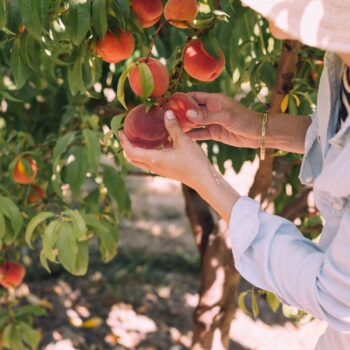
[
  {"x": 169, "y": 115},
  {"x": 193, "y": 115}
]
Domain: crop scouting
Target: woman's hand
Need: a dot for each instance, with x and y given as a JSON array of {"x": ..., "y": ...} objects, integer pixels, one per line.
[
  {"x": 225, "y": 120},
  {"x": 185, "y": 161}
]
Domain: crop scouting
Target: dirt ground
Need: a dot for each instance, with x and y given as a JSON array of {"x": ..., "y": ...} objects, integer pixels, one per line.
[{"x": 145, "y": 298}]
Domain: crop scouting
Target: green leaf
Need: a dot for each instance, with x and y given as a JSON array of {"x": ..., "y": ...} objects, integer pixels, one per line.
[
  {"x": 121, "y": 85},
  {"x": 93, "y": 148},
  {"x": 241, "y": 302},
  {"x": 146, "y": 79},
  {"x": 34, "y": 223},
  {"x": 116, "y": 188},
  {"x": 35, "y": 310},
  {"x": 273, "y": 301},
  {"x": 29, "y": 335},
  {"x": 292, "y": 107},
  {"x": 108, "y": 240},
  {"x": 44, "y": 262},
  {"x": 3, "y": 320},
  {"x": 48, "y": 242},
  {"x": 31, "y": 15},
  {"x": 99, "y": 17},
  {"x": 79, "y": 223},
  {"x": 20, "y": 71},
  {"x": 78, "y": 21},
  {"x": 11, "y": 211},
  {"x": 107, "y": 236},
  {"x": 82, "y": 259},
  {"x": 62, "y": 144},
  {"x": 12, "y": 337},
  {"x": 2, "y": 226},
  {"x": 77, "y": 169},
  {"x": 75, "y": 78},
  {"x": 67, "y": 247},
  {"x": 116, "y": 123},
  {"x": 268, "y": 74},
  {"x": 255, "y": 306},
  {"x": 211, "y": 44},
  {"x": 3, "y": 14}
]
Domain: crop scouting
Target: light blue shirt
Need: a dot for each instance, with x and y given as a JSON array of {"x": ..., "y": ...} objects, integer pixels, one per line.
[{"x": 271, "y": 253}]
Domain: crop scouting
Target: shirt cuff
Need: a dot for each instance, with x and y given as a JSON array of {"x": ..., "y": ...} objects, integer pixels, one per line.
[{"x": 244, "y": 225}]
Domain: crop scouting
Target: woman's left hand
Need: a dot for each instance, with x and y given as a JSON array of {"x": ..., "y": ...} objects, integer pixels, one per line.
[{"x": 185, "y": 161}]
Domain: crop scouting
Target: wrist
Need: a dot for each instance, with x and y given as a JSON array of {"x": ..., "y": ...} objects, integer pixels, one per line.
[{"x": 214, "y": 189}]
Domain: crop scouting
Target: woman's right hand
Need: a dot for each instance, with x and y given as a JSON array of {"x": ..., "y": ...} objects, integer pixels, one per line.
[{"x": 225, "y": 120}]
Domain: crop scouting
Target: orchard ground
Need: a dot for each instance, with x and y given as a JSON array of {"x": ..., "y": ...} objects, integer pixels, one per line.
[{"x": 145, "y": 298}]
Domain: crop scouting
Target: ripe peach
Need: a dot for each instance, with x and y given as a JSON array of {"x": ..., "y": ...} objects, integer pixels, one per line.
[
  {"x": 20, "y": 174},
  {"x": 160, "y": 76},
  {"x": 181, "y": 10},
  {"x": 180, "y": 103},
  {"x": 36, "y": 194},
  {"x": 148, "y": 12},
  {"x": 115, "y": 48},
  {"x": 11, "y": 274},
  {"x": 146, "y": 129},
  {"x": 199, "y": 64}
]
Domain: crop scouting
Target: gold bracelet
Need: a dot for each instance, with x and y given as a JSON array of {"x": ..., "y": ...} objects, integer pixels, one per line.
[{"x": 265, "y": 119}]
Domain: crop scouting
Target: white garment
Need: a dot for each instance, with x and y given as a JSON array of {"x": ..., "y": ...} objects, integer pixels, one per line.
[{"x": 271, "y": 253}]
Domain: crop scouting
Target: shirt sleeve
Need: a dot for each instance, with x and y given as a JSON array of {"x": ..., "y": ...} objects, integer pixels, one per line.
[{"x": 271, "y": 253}]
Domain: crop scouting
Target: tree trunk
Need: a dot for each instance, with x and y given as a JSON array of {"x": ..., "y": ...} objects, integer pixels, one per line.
[
  {"x": 219, "y": 279},
  {"x": 283, "y": 85}
]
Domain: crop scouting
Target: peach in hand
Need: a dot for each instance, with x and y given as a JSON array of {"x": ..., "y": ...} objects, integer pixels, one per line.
[
  {"x": 146, "y": 129},
  {"x": 180, "y": 103}
]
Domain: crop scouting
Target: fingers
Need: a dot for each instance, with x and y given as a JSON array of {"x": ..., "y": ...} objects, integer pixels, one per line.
[
  {"x": 204, "y": 116},
  {"x": 200, "y": 97},
  {"x": 199, "y": 135},
  {"x": 173, "y": 126},
  {"x": 212, "y": 132}
]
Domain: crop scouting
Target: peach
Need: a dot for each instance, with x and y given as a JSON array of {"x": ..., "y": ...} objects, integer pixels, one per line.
[
  {"x": 148, "y": 12},
  {"x": 20, "y": 174},
  {"x": 146, "y": 129},
  {"x": 115, "y": 48},
  {"x": 11, "y": 274},
  {"x": 180, "y": 103},
  {"x": 199, "y": 64},
  {"x": 36, "y": 194},
  {"x": 160, "y": 76},
  {"x": 181, "y": 10}
]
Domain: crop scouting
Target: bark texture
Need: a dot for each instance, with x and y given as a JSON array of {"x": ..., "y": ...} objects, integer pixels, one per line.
[{"x": 219, "y": 279}]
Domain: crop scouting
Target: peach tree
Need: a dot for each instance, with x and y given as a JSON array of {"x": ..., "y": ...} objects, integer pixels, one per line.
[{"x": 72, "y": 73}]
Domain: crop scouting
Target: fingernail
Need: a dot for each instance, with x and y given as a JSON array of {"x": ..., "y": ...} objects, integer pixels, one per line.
[
  {"x": 193, "y": 114},
  {"x": 169, "y": 115}
]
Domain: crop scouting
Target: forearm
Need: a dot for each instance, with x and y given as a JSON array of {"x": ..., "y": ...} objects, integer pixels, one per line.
[
  {"x": 213, "y": 188},
  {"x": 286, "y": 132}
]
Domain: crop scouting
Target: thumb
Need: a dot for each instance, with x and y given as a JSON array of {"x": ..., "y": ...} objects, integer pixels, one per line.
[
  {"x": 173, "y": 126},
  {"x": 205, "y": 117}
]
